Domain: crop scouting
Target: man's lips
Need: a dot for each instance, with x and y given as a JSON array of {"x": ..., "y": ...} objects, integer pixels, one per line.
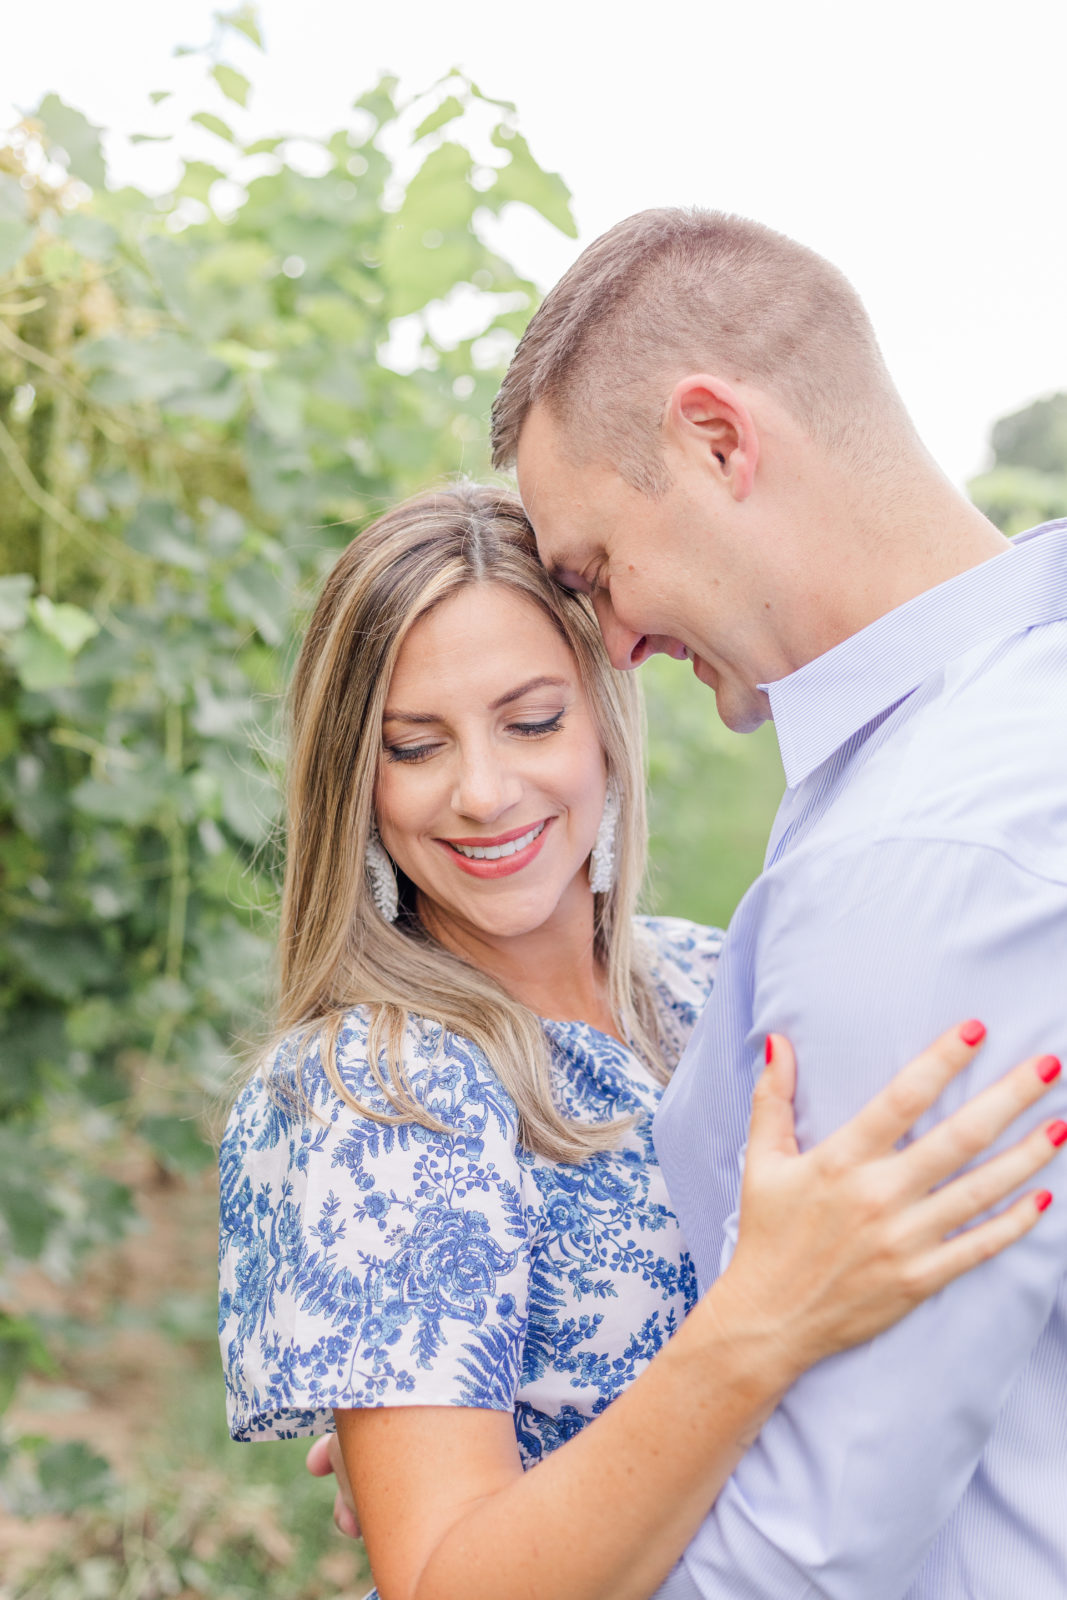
[{"x": 498, "y": 866}]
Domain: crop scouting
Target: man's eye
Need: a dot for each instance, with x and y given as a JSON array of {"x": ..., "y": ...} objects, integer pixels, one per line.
[{"x": 574, "y": 581}]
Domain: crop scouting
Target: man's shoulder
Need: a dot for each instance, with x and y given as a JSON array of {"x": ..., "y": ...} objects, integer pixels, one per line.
[{"x": 978, "y": 756}]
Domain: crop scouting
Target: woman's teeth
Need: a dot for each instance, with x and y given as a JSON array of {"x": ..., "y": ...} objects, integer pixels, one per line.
[{"x": 475, "y": 852}]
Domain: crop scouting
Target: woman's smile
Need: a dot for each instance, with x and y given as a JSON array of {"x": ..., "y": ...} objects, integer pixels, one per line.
[{"x": 499, "y": 856}]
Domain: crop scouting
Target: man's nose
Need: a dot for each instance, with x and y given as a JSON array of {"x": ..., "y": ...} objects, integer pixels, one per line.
[{"x": 625, "y": 648}]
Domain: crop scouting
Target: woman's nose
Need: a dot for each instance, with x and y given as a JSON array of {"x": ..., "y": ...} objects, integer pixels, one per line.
[{"x": 486, "y": 787}]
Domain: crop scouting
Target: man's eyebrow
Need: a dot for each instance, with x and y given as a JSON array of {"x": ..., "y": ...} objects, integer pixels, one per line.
[{"x": 425, "y": 718}]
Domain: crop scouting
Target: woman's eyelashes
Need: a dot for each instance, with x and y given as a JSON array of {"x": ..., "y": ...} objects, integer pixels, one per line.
[
  {"x": 522, "y": 729},
  {"x": 532, "y": 729}
]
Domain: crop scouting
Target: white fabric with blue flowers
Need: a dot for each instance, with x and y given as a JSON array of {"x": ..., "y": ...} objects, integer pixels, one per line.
[{"x": 368, "y": 1265}]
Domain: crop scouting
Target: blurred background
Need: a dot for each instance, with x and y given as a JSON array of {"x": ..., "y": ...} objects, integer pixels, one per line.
[{"x": 250, "y": 293}]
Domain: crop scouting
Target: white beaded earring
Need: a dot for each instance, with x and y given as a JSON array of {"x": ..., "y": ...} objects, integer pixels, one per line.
[
  {"x": 382, "y": 875},
  {"x": 602, "y": 859}
]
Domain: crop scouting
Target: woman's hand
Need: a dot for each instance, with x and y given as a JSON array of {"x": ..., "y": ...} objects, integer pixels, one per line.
[
  {"x": 323, "y": 1458},
  {"x": 838, "y": 1243}
]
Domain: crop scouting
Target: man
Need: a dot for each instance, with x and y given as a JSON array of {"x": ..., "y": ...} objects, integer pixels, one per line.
[{"x": 709, "y": 445}]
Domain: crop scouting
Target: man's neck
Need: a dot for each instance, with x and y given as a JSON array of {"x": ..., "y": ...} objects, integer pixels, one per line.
[{"x": 908, "y": 548}]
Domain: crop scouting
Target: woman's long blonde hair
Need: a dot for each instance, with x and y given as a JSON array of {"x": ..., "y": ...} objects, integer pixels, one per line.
[{"x": 337, "y": 951}]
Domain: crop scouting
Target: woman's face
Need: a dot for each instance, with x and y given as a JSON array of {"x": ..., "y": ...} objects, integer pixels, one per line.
[{"x": 492, "y": 777}]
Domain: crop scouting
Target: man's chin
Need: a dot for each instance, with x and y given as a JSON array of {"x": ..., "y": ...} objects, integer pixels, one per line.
[
  {"x": 702, "y": 671},
  {"x": 742, "y": 713}
]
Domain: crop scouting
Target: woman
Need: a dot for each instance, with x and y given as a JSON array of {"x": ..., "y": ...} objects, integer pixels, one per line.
[{"x": 442, "y": 1217}]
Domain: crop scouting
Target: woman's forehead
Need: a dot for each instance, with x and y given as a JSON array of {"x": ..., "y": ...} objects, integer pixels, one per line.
[{"x": 483, "y": 640}]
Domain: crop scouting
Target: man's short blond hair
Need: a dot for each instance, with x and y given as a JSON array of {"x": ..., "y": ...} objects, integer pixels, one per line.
[{"x": 669, "y": 292}]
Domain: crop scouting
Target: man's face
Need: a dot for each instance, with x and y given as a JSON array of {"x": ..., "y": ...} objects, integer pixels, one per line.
[{"x": 655, "y": 568}]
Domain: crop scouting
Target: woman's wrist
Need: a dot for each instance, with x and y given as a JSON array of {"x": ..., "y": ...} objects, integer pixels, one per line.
[{"x": 750, "y": 1347}]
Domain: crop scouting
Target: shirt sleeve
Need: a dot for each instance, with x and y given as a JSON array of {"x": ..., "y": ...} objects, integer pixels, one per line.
[
  {"x": 863, "y": 959},
  {"x": 363, "y": 1264}
]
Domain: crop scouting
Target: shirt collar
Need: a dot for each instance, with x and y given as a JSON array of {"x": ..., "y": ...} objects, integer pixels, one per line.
[{"x": 818, "y": 707}]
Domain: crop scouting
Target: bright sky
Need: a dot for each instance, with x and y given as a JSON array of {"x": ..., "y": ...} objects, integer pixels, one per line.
[{"x": 918, "y": 144}]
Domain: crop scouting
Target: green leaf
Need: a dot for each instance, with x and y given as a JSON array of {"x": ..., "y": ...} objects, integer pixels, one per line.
[
  {"x": 505, "y": 105},
  {"x": 69, "y": 625},
  {"x": 214, "y": 124},
  {"x": 60, "y": 962},
  {"x": 439, "y": 195},
  {"x": 380, "y": 101},
  {"x": 197, "y": 179},
  {"x": 40, "y": 660},
  {"x": 21, "y": 1349},
  {"x": 26, "y": 1208},
  {"x": 263, "y": 147},
  {"x": 15, "y": 592},
  {"x": 257, "y": 594},
  {"x": 163, "y": 531},
  {"x": 90, "y": 236},
  {"x": 157, "y": 96},
  {"x": 447, "y": 111},
  {"x": 72, "y": 1477},
  {"x": 75, "y": 134},
  {"x": 132, "y": 799},
  {"x": 245, "y": 21},
  {"x": 15, "y": 239},
  {"x": 279, "y": 403},
  {"x": 523, "y": 181},
  {"x": 179, "y": 1143},
  {"x": 234, "y": 84}
]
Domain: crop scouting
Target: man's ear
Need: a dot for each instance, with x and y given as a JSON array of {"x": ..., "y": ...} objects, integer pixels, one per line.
[{"x": 708, "y": 417}]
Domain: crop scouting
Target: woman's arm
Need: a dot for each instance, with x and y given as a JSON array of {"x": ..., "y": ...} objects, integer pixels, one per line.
[{"x": 835, "y": 1245}]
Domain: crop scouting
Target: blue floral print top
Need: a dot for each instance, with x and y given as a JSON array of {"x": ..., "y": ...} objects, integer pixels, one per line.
[{"x": 369, "y": 1265}]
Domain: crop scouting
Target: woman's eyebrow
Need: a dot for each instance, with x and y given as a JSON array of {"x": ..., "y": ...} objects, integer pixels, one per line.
[
  {"x": 527, "y": 688},
  {"x": 419, "y": 718},
  {"x": 423, "y": 718}
]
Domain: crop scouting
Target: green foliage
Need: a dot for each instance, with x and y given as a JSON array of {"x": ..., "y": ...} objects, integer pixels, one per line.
[
  {"x": 1027, "y": 483},
  {"x": 195, "y": 410},
  {"x": 712, "y": 801}
]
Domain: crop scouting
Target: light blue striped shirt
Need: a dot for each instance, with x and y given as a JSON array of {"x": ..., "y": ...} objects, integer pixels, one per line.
[{"x": 916, "y": 875}]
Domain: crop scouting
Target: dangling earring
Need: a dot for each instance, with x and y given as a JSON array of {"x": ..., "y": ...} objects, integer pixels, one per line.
[
  {"x": 382, "y": 875},
  {"x": 602, "y": 858}
]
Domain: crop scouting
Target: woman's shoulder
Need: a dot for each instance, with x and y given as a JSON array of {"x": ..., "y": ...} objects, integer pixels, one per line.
[
  {"x": 680, "y": 952},
  {"x": 362, "y": 1252},
  {"x": 446, "y": 1074}
]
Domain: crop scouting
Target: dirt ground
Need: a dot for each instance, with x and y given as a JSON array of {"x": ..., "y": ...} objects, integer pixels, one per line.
[
  {"x": 140, "y": 1384},
  {"x": 109, "y": 1397}
]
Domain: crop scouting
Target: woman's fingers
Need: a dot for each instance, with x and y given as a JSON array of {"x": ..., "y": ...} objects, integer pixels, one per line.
[
  {"x": 772, "y": 1129},
  {"x": 892, "y": 1113},
  {"x": 975, "y": 1126},
  {"x": 344, "y": 1518},
  {"x": 969, "y": 1249},
  {"x": 318, "y": 1460},
  {"x": 967, "y": 1197}
]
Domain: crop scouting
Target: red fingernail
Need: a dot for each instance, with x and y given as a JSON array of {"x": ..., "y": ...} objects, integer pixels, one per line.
[
  {"x": 973, "y": 1032},
  {"x": 1048, "y": 1068},
  {"x": 768, "y": 1050},
  {"x": 1043, "y": 1200},
  {"x": 1057, "y": 1132}
]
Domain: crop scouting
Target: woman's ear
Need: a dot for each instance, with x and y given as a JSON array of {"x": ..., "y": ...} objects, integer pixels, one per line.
[{"x": 710, "y": 423}]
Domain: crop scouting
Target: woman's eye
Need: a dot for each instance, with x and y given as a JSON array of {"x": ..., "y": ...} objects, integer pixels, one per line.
[
  {"x": 532, "y": 729},
  {"x": 408, "y": 752}
]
